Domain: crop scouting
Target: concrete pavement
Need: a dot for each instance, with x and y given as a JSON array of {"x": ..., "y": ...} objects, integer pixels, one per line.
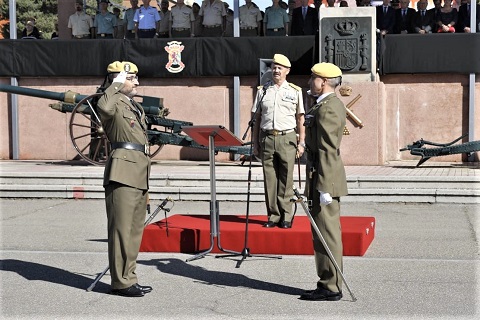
[{"x": 422, "y": 264}]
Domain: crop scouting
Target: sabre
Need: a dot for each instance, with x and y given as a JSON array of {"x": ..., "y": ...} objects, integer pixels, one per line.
[
  {"x": 302, "y": 200},
  {"x": 147, "y": 222}
]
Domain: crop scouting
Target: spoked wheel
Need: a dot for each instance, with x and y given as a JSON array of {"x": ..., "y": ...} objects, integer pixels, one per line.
[{"x": 87, "y": 133}]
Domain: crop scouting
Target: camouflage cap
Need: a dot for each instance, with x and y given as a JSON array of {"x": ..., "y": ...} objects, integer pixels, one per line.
[
  {"x": 119, "y": 66},
  {"x": 281, "y": 60},
  {"x": 326, "y": 70}
]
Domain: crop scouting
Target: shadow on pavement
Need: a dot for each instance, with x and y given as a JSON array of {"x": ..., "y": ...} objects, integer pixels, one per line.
[
  {"x": 36, "y": 271},
  {"x": 218, "y": 278}
]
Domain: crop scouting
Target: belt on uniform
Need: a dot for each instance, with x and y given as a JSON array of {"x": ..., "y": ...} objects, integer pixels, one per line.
[
  {"x": 180, "y": 29},
  {"x": 81, "y": 36},
  {"x": 131, "y": 31},
  {"x": 275, "y": 132},
  {"x": 131, "y": 146},
  {"x": 148, "y": 30},
  {"x": 209, "y": 27},
  {"x": 248, "y": 28},
  {"x": 276, "y": 29},
  {"x": 104, "y": 34}
]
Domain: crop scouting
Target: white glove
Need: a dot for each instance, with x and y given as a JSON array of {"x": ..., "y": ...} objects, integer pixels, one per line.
[
  {"x": 325, "y": 198},
  {"x": 121, "y": 77}
]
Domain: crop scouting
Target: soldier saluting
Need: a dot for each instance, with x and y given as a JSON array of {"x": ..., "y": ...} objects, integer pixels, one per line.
[{"x": 126, "y": 176}]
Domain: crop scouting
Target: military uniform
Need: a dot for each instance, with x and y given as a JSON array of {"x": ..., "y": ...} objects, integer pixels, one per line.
[
  {"x": 278, "y": 140},
  {"x": 163, "y": 29},
  {"x": 275, "y": 21},
  {"x": 81, "y": 25},
  {"x": 125, "y": 182},
  {"x": 250, "y": 17},
  {"x": 146, "y": 21},
  {"x": 325, "y": 123},
  {"x": 105, "y": 25},
  {"x": 181, "y": 21},
  {"x": 130, "y": 24},
  {"x": 213, "y": 18}
]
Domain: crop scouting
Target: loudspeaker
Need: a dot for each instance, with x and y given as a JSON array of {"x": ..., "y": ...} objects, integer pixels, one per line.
[{"x": 265, "y": 71}]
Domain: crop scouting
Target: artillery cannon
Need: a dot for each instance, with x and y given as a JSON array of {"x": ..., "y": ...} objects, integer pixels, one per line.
[
  {"x": 86, "y": 129},
  {"x": 418, "y": 148}
]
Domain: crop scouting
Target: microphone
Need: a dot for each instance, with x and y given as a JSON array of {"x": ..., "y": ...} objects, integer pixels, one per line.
[{"x": 266, "y": 85}]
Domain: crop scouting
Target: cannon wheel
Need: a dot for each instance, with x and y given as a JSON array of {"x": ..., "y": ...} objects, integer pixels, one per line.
[{"x": 87, "y": 134}]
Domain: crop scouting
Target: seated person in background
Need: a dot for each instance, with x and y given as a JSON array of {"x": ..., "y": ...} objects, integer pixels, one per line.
[
  {"x": 435, "y": 12},
  {"x": 463, "y": 24},
  {"x": 423, "y": 21},
  {"x": 343, "y": 3},
  {"x": 30, "y": 31},
  {"x": 447, "y": 18},
  {"x": 403, "y": 18}
]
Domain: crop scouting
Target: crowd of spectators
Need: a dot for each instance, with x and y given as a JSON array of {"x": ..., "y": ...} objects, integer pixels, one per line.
[{"x": 214, "y": 18}]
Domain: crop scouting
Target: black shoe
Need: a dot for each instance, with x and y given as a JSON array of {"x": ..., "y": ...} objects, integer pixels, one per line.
[
  {"x": 321, "y": 294},
  {"x": 132, "y": 291},
  {"x": 269, "y": 224},
  {"x": 145, "y": 289},
  {"x": 285, "y": 225}
]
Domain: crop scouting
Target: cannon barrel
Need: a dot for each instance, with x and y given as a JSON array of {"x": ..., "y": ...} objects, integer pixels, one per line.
[
  {"x": 69, "y": 96},
  {"x": 151, "y": 105}
]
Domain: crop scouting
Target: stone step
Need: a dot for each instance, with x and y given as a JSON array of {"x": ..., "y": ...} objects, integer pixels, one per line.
[{"x": 234, "y": 187}]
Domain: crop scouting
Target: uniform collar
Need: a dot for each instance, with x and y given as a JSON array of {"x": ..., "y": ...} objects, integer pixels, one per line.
[{"x": 324, "y": 96}]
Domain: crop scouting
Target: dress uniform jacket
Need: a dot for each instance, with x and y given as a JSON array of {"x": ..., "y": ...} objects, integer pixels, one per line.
[
  {"x": 122, "y": 123},
  {"x": 325, "y": 123}
]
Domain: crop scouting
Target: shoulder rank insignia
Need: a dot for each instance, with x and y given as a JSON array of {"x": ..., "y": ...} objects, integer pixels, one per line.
[{"x": 295, "y": 87}]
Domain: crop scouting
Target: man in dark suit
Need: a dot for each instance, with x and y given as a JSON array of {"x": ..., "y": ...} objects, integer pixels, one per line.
[
  {"x": 464, "y": 15},
  {"x": 304, "y": 20},
  {"x": 385, "y": 18},
  {"x": 403, "y": 18},
  {"x": 126, "y": 176},
  {"x": 422, "y": 21}
]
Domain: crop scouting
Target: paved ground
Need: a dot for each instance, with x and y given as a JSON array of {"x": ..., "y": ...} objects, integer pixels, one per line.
[{"x": 423, "y": 264}]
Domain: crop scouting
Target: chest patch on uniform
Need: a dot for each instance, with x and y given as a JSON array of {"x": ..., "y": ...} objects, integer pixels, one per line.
[{"x": 289, "y": 96}]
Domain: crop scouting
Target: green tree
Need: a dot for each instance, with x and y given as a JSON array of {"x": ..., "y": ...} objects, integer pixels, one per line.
[{"x": 43, "y": 11}]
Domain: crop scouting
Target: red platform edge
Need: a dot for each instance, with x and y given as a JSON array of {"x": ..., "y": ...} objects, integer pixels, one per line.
[{"x": 191, "y": 234}]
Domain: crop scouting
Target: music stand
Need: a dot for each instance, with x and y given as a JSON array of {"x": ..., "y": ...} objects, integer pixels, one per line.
[{"x": 212, "y": 135}]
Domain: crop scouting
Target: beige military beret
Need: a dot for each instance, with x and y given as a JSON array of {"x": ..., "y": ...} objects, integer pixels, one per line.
[
  {"x": 119, "y": 66},
  {"x": 326, "y": 70},
  {"x": 281, "y": 60}
]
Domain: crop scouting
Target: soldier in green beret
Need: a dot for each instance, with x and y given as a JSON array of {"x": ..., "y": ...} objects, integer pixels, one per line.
[
  {"x": 326, "y": 180},
  {"x": 126, "y": 176}
]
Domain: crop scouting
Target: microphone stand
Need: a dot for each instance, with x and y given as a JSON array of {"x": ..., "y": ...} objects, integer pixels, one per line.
[{"x": 246, "y": 251}]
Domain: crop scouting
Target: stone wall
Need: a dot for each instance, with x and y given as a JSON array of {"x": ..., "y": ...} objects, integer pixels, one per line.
[{"x": 395, "y": 112}]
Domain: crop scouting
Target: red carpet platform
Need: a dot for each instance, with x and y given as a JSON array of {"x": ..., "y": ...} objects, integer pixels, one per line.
[{"x": 191, "y": 234}]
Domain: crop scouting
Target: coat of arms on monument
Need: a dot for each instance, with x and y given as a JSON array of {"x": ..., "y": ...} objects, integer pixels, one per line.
[{"x": 346, "y": 43}]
